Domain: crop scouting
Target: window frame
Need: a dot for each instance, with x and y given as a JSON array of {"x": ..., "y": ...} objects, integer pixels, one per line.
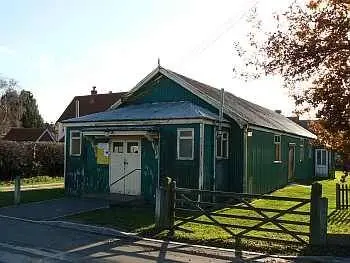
[
  {"x": 227, "y": 140},
  {"x": 279, "y": 142},
  {"x": 178, "y": 138},
  {"x": 75, "y": 138}
]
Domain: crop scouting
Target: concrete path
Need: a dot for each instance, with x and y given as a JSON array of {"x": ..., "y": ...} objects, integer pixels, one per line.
[{"x": 52, "y": 209}]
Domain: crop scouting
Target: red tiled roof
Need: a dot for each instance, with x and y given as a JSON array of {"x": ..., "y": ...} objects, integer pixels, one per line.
[
  {"x": 26, "y": 134},
  {"x": 90, "y": 104}
]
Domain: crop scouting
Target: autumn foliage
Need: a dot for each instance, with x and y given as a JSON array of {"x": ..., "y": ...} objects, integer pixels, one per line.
[{"x": 310, "y": 50}]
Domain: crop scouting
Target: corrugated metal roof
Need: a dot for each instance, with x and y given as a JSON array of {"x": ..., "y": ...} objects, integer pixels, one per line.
[
  {"x": 150, "y": 111},
  {"x": 245, "y": 112}
]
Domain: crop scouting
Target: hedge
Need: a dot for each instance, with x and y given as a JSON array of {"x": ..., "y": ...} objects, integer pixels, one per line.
[{"x": 29, "y": 159}]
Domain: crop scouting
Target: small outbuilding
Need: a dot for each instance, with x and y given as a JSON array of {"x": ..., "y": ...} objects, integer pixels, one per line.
[
  {"x": 170, "y": 125},
  {"x": 29, "y": 135}
]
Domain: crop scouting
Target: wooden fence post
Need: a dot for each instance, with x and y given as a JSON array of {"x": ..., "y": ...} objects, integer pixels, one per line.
[
  {"x": 337, "y": 196},
  {"x": 172, "y": 197},
  {"x": 318, "y": 216},
  {"x": 162, "y": 205},
  {"x": 17, "y": 192}
]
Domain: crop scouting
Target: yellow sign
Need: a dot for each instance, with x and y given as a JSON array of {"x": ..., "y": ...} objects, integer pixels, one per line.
[{"x": 102, "y": 153}]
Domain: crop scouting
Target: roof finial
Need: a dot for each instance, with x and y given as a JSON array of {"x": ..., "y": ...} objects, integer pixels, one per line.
[{"x": 158, "y": 62}]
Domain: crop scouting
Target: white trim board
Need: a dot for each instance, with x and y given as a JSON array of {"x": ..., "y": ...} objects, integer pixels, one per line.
[
  {"x": 277, "y": 132},
  {"x": 49, "y": 133}
]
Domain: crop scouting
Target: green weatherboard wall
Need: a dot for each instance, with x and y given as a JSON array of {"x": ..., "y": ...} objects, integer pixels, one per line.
[
  {"x": 265, "y": 175},
  {"x": 83, "y": 174}
]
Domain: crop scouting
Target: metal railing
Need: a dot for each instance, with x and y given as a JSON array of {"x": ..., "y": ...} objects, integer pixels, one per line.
[{"x": 124, "y": 176}]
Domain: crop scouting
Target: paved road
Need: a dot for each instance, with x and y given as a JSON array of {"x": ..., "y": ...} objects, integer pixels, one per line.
[
  {"x": 22, "y": 241},
  {"x": 53, "y": 209},
  {"x": 24, "y": 238}
]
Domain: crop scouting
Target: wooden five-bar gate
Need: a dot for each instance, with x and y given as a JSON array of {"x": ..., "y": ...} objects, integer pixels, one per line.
[
  {"x": 342, "y": 196},
  {"x": 246, "y": 216}
]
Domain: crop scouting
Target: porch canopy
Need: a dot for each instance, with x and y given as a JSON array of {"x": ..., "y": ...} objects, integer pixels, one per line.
[{"x": 150, "y": 111}]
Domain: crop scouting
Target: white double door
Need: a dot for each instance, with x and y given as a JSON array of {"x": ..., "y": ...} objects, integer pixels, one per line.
[
  {"x": 125, "y": 163},
  {"x": 321, "y": 162}
]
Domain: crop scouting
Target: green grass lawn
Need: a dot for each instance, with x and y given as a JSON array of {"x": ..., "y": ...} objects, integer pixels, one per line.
[
  {"x": 36, "y": 180},
  {"x": 6, "y": 198},
  {"x": 140, "y": 220}
]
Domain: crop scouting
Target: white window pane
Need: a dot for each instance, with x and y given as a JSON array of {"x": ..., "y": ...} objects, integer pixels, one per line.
[
  {"x": 133, "y": 147},
  {"x": 118, "y": 147},
  {"x": 185, "y": 133},
  {"x": 185, "y": 148},
  {"x": 75, "y": 146}
]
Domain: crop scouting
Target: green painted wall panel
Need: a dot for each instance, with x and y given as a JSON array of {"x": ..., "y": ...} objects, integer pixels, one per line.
[
  {"x": 236, "y": 165},
  {"x": 165, "y": 90},
  {"x": 149, "y": 173},
  {"x": 185, "y": 172},
  {"x": 83, "y": 174},
  {"x": 208, "y": 162},
  {"x": 96, "y": 176},
  {"x": 265, "y": 175}
]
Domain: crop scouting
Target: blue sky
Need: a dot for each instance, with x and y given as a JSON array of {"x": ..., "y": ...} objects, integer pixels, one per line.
[{"x": 59, "y": 49}]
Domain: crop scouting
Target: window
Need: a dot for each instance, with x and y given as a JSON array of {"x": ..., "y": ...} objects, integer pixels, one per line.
[
  {"x": 310, "y": 152},
  {"x": 132, "y": 147},
  {"x": 222, "y": 145},
  {"x": 185, "y": 144},
  {"x": 118, "y": 147},
  {"x": 321, "y": 157},
  {"x": 75, "y": 143},
  {"x": 277, "y": 142},
  {"x": 302, "y": 151}
]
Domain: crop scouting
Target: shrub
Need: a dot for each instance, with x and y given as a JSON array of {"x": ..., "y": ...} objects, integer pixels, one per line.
[{"x": 29, "y": 159}]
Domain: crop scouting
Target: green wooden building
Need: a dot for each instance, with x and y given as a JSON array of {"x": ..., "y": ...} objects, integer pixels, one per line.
[{"x": 171, "y": 125}]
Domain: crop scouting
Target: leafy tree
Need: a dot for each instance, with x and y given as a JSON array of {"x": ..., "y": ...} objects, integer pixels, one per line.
[
  {"x": 17, "y": 109},
  {"x": 10, "y": 106},
  {"x": 310, "y": 49},
  {"x": 31, "y": 117}
]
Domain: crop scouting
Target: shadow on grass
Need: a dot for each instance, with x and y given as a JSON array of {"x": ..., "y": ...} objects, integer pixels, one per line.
[
  {"x": 7, "y": 198},
  {"x": 339, "y": 217}
]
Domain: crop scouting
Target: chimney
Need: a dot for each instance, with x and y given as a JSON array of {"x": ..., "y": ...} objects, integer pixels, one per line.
[
  {"x": 77, "y": 109},
  {"x": 93, "y": 91},
  {"x": 278, "y": 111}
]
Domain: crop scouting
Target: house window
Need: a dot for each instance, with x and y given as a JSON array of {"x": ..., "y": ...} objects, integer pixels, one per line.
[
  {"x": 75, "y": 143},
  {"x": 222, "y": 145},
  {"x": 277, "y": 142},
  {"x": 185, "y": 144},
  {"x": 302, "y": 151},
  {"x": 321, "y": 156}
]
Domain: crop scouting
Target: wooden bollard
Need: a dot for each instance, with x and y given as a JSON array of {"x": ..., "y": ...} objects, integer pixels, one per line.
[{"x": 17, "y": 192}]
